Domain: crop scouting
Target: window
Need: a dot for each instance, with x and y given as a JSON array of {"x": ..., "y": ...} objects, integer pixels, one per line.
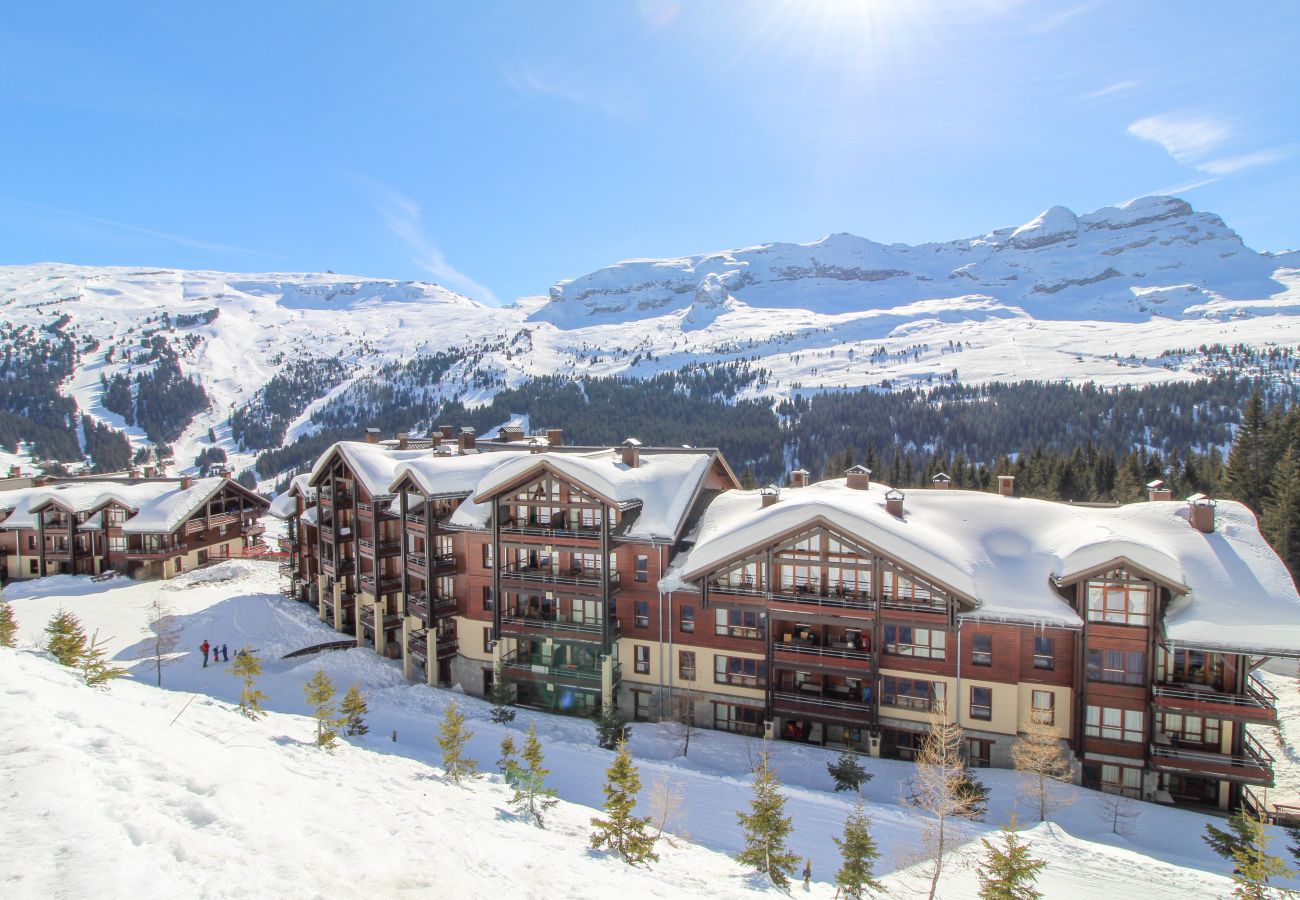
[
  {"x": 642, "y": 619},
  {"x": 488, "y": 603},
  {"x": 911, "y": 693},
  {"x": 117, "y": 544},
  {"x": 31, "y": 567},
  {"x": 738, "y": 671},
  {"x": 1114, "y": 724},
  {"x": 642, "y": 658},
  {"x": 642, "y": 568},
  {"x": 741, "y": 623},
  {"x": 1044, "y": 653},
  {"x": 738, "y": 719},
  {"x": 899, "y": 588},
  {"x": 1117, "y": 666},
  {"x": 981, "y": 703},
  {"x": 489, "y": 638},
  {"x": 688, "y": 619},
  {"x": 1117, "y": 599},
  {"x": 1121, "y": 780},
  {"x": 979, "y": 754},
  {"x": 982, "y": 652},
  {"x": 641, "y": 701},
  {"x": 923, "y": 643},
  {"x": 487, "y": 556},
  {"x": 1043, "y": 707},
  {"x": 686, "y": 665},
  {"x": 1189, "y": 729}
]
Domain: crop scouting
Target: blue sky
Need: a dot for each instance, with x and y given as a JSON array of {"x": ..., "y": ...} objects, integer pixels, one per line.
[{"x": 499, "y": 147}]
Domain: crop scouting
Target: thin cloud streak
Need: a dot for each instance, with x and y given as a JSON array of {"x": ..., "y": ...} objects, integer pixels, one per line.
[
  {"x": 607, "y": 100},
  {"x": 1237, "y": 163},
  {"x": 1110, "y": 90},
  {"x": 1187, "y": 138},
  {"x": 401, "y": 216},
  {"x": 1054, "y": 22},
  {"x": 194, "y": 243}
]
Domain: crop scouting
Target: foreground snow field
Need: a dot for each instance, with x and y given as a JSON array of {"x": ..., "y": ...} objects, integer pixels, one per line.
[{"x": 142, "y": 792}]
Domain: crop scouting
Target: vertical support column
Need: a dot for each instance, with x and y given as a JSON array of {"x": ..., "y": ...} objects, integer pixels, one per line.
[
  {"x": 380, "y": 611},
  {"x": 338, "y": 606},
  {"x": 322, "y": 597},
  {"x": 607, "y": 680},
  {"x": 408, "y": 625},
  {"x": 431, "y": 656},
  {"x": 497, "y": 563}
]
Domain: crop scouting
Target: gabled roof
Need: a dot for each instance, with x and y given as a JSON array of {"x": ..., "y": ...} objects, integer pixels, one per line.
[
  {"x": 1232, "y": 590},
  {"x": 452, "y": 475},
  {"x": 374, "y": 465},
  {"x": 159, "y": 505}
]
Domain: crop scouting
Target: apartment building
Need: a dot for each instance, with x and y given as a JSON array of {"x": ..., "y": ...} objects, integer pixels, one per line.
[
  {"x": 143, "y": 526},
  {"x": 839, "y": 613}
]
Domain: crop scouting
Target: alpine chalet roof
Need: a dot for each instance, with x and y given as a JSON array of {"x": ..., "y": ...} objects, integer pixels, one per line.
[
  {"x": 160, "y": 506},
  {"x": 1232, "y": 592}
]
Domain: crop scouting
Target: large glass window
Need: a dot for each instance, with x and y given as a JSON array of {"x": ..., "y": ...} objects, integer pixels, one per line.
[
  {"x": 923, "y": 643},
  {"x": 981, "y": 650},
  {"x": 1044, "y": 707},
  {"x": 1117, "y": 666},
  {"x": 1113, "y": 724},
  {"x": 738, "y": 671},
  {"x": 981, "y": 703},
  {"x": 739, "y": 719},
  {"x": 1117, "y": 599},
  {"x": 910, "y": 693},
  {"x": 1044, "y": 653},
  {"x": 688, "y": 619},
  {"x": 741, "y": 623},
  {"x": 686, "y": 665}
]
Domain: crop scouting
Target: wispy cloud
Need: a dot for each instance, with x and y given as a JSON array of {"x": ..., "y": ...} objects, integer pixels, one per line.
[
  {"x": 604, "y": 98},
  {"x": 1052, "y": 23},
  {"x": 1187, "y": 138},
  {"x": 401, "y": 215},
  {"x": 182, "y": 240},
  {"x": 1236, "y": 163},
  {"x": 1110, "y": 90}
]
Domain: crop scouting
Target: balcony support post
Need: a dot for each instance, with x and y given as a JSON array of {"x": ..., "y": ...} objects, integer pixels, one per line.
[
  {"x": 321, "y": 597},
  {"x": 338, "y": 606}
]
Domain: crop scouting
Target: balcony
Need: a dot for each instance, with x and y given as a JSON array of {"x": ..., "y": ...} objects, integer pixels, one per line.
[
  {"x": 147, "y": 552},
  {"x": 386, "y": 547},
  {"x": 831, "y": 597},
  {"x": 386, "y": 584},
  {"x": 417, "y": 604},
  {"x": 337, "y": 498},
  {"x": 819, "y": 704},
  {"x": 798, "y": 654},
  {"x": 555, "y": 528},
  {"x": 582, "y": 676},
  {"x": 932, "y": 605},
  {"x": 416, "y": 519},
  {"x": 559, "y": 627},
  {"x": 588, "y": 578},
  {"x": 55, "y": 525},
  {"x": 418, "y": 644},
  {"x": 1257, "y": 705},
  {"x": 1253, "y": 766},
  {"x": 332, "y": 567},
  {"x": 740, "y": 587},
  {"x": 448, "y": 647},
  {"x": 377, "y": 510}
]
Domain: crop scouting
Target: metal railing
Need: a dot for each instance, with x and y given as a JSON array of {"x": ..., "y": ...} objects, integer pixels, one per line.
[
  {"x": 586, "y": 577},
  {"x": 830, "y": 702},
  {"x": 813, "y": 650},
  {"x": 1256, "y": 696},
  {"x": 553, "y": 623}
]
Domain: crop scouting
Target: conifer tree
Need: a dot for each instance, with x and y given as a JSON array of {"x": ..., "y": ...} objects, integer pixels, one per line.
[
  {"x": 8, "y": 625},
  {"x": 67, "y": 639},
  {"x": 508, "y": 764},
  {"x": 767, "y": 827},
  {"x": 320, "y": 695},
  {"x": 1246, "y": 847},
  {"x": 847, "y": 773},
  {"x": 1039, "y": 755},
  {"x": 858, "y": 854},
  {"x": 1280, "y": 522},
  {"x": 611, "y": 727},
  {"x": 95, "y": 668},
  {"x": 1249, "y": 465},
  {"x": 353, "y": 710},
  {"x": 621, "y": 830},
  {"x": 501, "y": 696},
  {"x": 247, "y": 667},
  {"x": 532, "y": 796},
  {"x": 452, "y": 739},
  {"x": 1007, "y": 871}
]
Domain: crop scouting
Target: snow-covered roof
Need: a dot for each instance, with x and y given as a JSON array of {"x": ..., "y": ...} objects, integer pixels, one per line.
[
  {"x": 1004, "y": 553},
  {"x": 284, "y": 505},
  {"x": 455, "y": 473},
  {"x": 663, "y": 485},
  {"x": 160, "y": 506},
  {"x": 374, "y": 465}
]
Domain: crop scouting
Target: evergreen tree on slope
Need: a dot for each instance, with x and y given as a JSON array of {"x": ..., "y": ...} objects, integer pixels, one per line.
[
  {"x": 247, "y": 667},
  {"x": 452, "y": 739},
  {"x": 621, "y": 830},
  {"x": 767, "y": 827},
  {"x": 8, "y": 625},
  {"x": 353, "y": 711},
  {"x": 66, "y": 638},
  {"x": 320, "y": 695},
  {"x": 1007, "y": 871},
  {"x": 858, "y": 854}
]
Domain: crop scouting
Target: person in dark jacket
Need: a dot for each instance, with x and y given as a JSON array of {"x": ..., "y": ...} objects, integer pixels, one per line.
[
  {"x": 225, "y": 653},
  {"x": 205, "y": 646}
]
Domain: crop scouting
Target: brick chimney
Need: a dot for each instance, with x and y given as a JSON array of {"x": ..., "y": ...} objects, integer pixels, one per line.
[
  {"x": 894, "y": 503},
  {"x": 859, "y": 478},
  {"x": 1158, "y": 490},
  {"x": 630, "y": 453},
  {"x": 187, "y": 482},
  {"x": 1007, "y": 485},
  {"x": 15, "y": 471},
  {"x": 403, "y": 440},
  {"x": 150, "y": 472},
  {"x": 372, "y": 435},
  {"x": 941, "y": 482},
  {"x": 799, "y": 477},
  {"x": 447, "y": 431},
  {"x": 468, "y": 437},
  {"x": 555, "y": 437},
  {"x": 135, "y": 473},
  {"x": 770, "y": 495},
  {"x": 1201, "y": 513}
]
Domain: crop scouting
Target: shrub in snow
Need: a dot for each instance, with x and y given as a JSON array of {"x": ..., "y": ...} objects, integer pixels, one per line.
[
  {"x": 847, "y": 772},
  {"x": 95, "y": 668},
  {"x": 1245, "y": 845},
  {"x": 508, "y": 764},
  {"x": 8, "y": 625},
  {"x": 66, "y": 638},
  {"x": 611, "y": 727},
  {"x": 858, "y": 855},
  {"x": 452, "y": 739},
  {"x": 248, "y": 668},
  {"x": 532, "y": 796},
  {"x": 354, "y": 709},
  {"x": 1007, "y": 871},
  {"x": 767, "y": 827},
  {"x": 502, "y": 697},
  {"x": 320, "y": 695},
  {"x": 621, "y": 830}
]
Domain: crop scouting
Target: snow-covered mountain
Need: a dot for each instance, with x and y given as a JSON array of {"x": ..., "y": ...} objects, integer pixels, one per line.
[{"x": 1123, "y": 295}]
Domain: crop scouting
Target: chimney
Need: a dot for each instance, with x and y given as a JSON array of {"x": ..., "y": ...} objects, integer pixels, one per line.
[
  {"x": 1007, "y": 485},
  {"x": 135, "y": 473},
  {"x": 15, "y": 471},
  {"x": 467, "y": 438},
  {"x": 1158, "y": 490},
  {"x": 631, "y": 453},
  {"x": 1201, "y": 513},
  {"x": 799, "y": 478},
  {"x": 150, "y": 472},
  {"x": 894, "y": 503},
  {"x": 770, "y": 495},
  {"x": 448, "y": 432},
  {"x": 941, "y": 482},
  {"x": 372, "y": 435},
  {"x": 187, "y": 482},
  {"x": 555, "y": 437},
  {"x": 403, "y": 440},
  {"x": 859, "y": 478}
]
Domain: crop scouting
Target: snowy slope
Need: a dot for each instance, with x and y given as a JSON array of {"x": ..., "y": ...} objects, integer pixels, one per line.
[
  {"x": 145, "y": 793},
  {"x": 1123, "y": 295}
]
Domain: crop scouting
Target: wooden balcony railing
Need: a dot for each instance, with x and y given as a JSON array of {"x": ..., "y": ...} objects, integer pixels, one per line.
[
  {"x": 1253, "y": 766},
  {"x": 815, "y": 651},
  {"x": 817, "y": 702},
  {"x": 581, "y": 577},
  {"x": 1256, "y": 704}
]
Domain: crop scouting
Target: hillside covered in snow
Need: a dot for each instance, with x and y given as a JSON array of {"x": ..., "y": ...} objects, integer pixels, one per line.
[{"x": 217, "y": 365}]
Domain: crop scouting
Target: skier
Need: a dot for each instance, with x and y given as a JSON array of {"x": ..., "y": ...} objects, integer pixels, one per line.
[
  {"x": 205, "y": 646},
  {"x": 225, "y": 653},
  {"x": 807, "y": 873}
]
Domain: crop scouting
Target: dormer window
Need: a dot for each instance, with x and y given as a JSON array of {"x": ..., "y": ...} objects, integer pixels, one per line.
[{"x": 1118, "y": 599}]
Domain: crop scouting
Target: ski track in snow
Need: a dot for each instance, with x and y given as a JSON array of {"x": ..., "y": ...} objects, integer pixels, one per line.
[{"x": 116, "y": 801}]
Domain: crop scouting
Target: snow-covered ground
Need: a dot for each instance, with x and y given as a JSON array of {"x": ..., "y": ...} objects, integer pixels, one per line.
[{"x": 142, "y": 792}]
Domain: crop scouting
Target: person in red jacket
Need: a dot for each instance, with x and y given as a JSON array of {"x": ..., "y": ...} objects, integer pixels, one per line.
[{"x": 205, "y": 646}]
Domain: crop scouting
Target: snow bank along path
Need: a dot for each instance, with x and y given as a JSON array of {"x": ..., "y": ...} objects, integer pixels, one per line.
[{"x": 116, "y": 801}]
